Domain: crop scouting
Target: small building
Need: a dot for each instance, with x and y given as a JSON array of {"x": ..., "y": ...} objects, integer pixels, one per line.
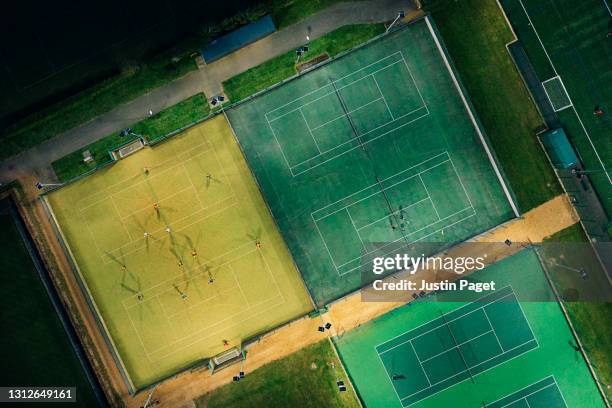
[
  {"x": 237, "y": 39},
  {"x": 559, "y": 149}
]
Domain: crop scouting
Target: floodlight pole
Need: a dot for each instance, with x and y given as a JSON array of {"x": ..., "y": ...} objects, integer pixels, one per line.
[
  {"x": 580, "y": 271},
  {"x": 150, "y": 398},
  {"x": 579, "y": 172},
  {"x": 40, "y": 186},
  {"x": 399, "y": 15}
]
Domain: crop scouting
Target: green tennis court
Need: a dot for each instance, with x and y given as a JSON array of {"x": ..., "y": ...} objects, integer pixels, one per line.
[
  {"x": 375, "y": 149},
  {"x": 511, "y": 348},
  {"x": 452, "y": 348},
  {"x": 568, "y": 45},
  {"x": 542, "y": 394}
]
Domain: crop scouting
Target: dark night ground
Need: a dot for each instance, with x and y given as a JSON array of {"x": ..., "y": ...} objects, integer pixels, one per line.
[{"x": 52, "y": 48}]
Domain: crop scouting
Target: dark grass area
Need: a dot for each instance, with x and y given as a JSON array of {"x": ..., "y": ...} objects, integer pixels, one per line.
[
  {"x": 293, "y": 11},
  {"x": 591, "y": 316},
  {"x": 158, "y": 125},
  {"x": 476, "y": 34},
  {"x": 88, "y": 104},
  {"x": 575, "y": 38},
  {"x": 34, "y": 347},
  {"x": 303, "y": 379},
  {"x": 282, "y": 67}
]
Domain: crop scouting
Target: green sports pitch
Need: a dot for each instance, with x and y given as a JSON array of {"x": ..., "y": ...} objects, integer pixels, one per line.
[
  {"x": 569, "y": 45},
  {"x": 509, "y": 348},
  {"x": 170, "y": 284},
  {"x": 377, "y": 148}
]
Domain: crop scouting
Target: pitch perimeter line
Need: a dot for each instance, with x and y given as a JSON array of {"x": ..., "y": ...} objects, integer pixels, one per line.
[
  {"x": 472, "y": 118},
  {"x": 568, "y": 95}
]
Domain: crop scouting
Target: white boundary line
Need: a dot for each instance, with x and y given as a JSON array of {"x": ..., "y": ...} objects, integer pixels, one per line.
[
  {"x": 531, "y": 393},
  {"x": 473, "y": 119},
  {"x": 393, "y": 118},
  {"x": 570, "y": 98},
  {"x": 440, "y": 326},
  {"x": 336, "y": 80},
  {"x": 217, "y": 322},
  {"x": 482, "y": 362},
  {"x": 550, "y": 99},
  {"x": 346, "y": 207}
]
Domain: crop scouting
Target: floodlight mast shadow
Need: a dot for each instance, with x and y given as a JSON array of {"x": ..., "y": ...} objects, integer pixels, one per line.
[{"x": 400, "y": 15}]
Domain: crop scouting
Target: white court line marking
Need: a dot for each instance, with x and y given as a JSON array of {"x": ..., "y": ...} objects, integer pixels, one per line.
[
  {"x": 136, "y": 249},
  {"x": 394, "y": 212},
  {"x": 474, "y": 366},
  {"x": 336, "y": 80},
  {"x": 142, "y": 181},
  {"x": 350, "y": 149},
  {"x": 310, "y": 130},
  {"x": 376, "y": 191},
  {"x": 457, "y": 347},
  {"x": 388, "y": 178},
  {"x": 464, "y": 371},
  {"x": 559, "y": 388},
  {"x": 137, "y": 334},
  {"x": 441, "y": 325},
  {"x": 424, "y": 105},
  {"x": 420, "y": 362},
  {"x": 429, "y": 196},
  {"x": 334, "y": 91},
  {"x": 238, "y": 283},
  {"x": 530, "y": 394},
  {"x": 389, "y": 377},
  {"x": 493, "y": 328},
  {"x": 413, "y": 80},
  {"x": 227, "y": 318},
  {"x": 280, "y": 147},
  {"x": 174, "y": 279},
  {"x": 383, "y": 97},
  {"x": 194, "y": 187},
  {"x": 410, "y": 234},
  {"x": 224, "y": 174},
  {"x": 568, "y": 95},
  {"x": 452, "y": 311},
  {"x": 356, "y": 229},
  {"x": 344, "y": 116},
  {"x": 473, "y": 119},
  {"x": 521, "y": 389}
]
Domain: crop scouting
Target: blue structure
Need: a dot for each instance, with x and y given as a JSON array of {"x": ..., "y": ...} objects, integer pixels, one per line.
[
  {"x": 237, "y": 39},
  {"x": 559, "y": 149}
]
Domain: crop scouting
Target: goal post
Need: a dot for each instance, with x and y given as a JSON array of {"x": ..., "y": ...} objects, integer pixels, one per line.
[
  {"x": 127, "y": 149},
  {"x": 225, "y": 359}
]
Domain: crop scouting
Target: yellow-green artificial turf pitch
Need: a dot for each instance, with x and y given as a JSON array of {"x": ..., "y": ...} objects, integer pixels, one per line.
[{"x": 152, "y": 293}]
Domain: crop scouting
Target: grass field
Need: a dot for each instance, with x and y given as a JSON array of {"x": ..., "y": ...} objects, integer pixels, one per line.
[
  {"x": 88, "y": 104},
  {"x": 26, "y": 317},
  {"x": 152, "y": 128},
  {"x": 569, "y": 40},
  {"x": 296, "y": 10},
  {"x": 303, "y": 379},
  {"x": 373, "y": 150},
  {"x": 589, "y": 303},
  {"x": 507, "y": 348},
  {"x": 283, "y": 66},
  {"x": 154, "y": 293},
  {"x": 476, "y": 34}
]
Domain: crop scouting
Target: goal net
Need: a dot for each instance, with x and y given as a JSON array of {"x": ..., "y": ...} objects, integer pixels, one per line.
[
  {"x": 128, "y": 149},
  {"x": 556, "y": 93}
]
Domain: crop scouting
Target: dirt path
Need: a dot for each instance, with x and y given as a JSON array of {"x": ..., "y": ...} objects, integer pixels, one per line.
[{"x": 350, "y": 312}]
